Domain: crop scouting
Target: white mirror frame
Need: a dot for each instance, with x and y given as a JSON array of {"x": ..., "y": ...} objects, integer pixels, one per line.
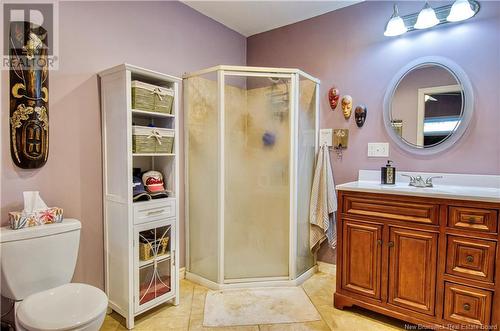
[{"x": 467, "y": 107}]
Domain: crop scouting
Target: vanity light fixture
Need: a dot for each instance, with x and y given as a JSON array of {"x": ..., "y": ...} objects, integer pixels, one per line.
[
  {"x": 460, "y": 11},
  {"x": 428, "y": 17},
  {"x": 396, "y": 26}
]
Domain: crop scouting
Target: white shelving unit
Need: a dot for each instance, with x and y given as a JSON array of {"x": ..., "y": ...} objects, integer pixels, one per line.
[{"x": 134, "y": 282}]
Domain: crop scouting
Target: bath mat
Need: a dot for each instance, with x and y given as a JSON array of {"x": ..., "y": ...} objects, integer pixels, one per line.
[{"x": 265, "y": 305}]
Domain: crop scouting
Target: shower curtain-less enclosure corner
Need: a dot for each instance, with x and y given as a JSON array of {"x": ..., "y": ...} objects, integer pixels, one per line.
[{"x": 251, "y": 140}]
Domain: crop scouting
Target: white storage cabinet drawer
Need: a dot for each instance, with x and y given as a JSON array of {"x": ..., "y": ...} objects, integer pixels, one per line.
[{"x": 153, "y": 210}]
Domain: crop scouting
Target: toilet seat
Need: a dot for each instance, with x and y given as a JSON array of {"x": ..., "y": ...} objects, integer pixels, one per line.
[{"x": 67, "y": 307}]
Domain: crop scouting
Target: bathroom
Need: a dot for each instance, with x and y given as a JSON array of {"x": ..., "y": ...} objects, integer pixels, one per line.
[{"x": 332, "y": 44}]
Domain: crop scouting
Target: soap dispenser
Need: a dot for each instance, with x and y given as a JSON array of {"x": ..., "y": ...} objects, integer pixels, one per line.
[{"x": 388, "y": 174}]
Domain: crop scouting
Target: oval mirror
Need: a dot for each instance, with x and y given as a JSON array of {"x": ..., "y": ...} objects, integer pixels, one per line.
[{"x": 428, "y": 105}]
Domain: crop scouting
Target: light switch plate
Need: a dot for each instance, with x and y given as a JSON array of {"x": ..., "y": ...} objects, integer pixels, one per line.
[
  {"x": 326, "y": 137},
  {"x": 378, "y": 149}
]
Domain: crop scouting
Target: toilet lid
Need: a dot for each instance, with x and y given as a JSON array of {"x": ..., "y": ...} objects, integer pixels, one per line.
[{"x": 62, "y": 308}]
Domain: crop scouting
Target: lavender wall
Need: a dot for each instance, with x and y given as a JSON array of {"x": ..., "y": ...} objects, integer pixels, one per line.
[
  {"x": 164, "y": 36},
  {"x": 347, "y": 48}
]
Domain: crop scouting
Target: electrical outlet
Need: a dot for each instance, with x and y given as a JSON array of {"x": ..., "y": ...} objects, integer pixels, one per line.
[{"x": 378, "y": 149}]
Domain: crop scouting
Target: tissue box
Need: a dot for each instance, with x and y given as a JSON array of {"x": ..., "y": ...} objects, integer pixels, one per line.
[{"x": 19, "y": 220}]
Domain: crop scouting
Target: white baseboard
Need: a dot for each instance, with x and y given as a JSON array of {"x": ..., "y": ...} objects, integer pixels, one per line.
[
  {"x": 182, "y": 273},
  {"x": 252, "y": 284},
  {"x": 327, "y": 268},
  {"x": 202, "y": 281},
  {"x": 306, "y": 275}
]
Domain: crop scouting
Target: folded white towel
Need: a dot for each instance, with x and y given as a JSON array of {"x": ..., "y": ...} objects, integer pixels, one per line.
[{"x": 323, "y": 203}]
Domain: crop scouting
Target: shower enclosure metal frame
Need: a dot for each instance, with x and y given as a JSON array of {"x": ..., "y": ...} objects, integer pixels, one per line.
[{"x": 223, "y": 71}]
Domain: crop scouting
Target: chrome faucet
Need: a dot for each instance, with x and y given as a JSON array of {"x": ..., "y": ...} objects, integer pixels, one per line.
[{"x": 418, "y": 181}]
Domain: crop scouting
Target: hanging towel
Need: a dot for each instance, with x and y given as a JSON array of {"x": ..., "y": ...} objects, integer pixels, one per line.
[{"x": 323, "y": 203}]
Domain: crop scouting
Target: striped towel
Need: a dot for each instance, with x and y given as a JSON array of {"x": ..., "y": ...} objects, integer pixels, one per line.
[{"x": 323, "y": 203}]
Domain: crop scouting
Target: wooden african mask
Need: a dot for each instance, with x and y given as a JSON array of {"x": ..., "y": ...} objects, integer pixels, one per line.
[
  {"x": 29, "y": 95},
  {"x": 360, "y": 115},
  {"x": 333, "y": 97},
  {"x": 346, "y": 103}
]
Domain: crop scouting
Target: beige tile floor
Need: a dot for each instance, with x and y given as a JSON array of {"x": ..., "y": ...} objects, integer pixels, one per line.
[{"x": 188, "y": 315}]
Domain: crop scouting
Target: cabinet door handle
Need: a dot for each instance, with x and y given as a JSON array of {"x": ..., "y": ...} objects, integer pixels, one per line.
[
  {"x": 379, "y": 242},
  {"x": 391, "y": 243},
  {"x": 466, "y": 307},
  {"x": 470, "y": 258}
]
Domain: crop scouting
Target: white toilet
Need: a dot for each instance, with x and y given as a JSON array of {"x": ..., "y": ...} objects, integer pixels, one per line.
[{"x": 37, "y": 265}]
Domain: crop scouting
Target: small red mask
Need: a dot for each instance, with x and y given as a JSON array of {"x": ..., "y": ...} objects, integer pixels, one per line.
[{"x": 333, "y": 97}]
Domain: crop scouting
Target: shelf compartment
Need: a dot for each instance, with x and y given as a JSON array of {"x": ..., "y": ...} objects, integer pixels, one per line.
[
  {"x": 154, "y": 243},
  {"x": 144, "y": 118},
  {"x": 151, "y": 249},
  {"x": 154, "y": 281},
  {"x": 164, "y": 164}
]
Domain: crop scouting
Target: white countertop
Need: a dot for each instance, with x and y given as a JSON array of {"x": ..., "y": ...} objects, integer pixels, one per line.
[{"x": 487, "y": 189}]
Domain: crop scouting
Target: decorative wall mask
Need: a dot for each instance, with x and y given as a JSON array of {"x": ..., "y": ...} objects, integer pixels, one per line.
[
  {"x": 333, "y": 97},
  {"x": 29, "y": 95},
  {"x": 360, "y": 115},
  {"x": 346, "y": 103}
]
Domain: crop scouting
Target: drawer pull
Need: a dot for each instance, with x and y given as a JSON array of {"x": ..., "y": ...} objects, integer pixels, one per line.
[
  {"x": 391, "y": 244},
  {"x": 470, "y": 258},
  {"x": 466, "y": 307},
  {"x": 471, "y": 220},
  {"x": 155, "y": 212}
]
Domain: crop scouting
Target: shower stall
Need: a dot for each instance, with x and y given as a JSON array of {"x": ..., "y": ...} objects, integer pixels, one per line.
[{"x": 251, "y": 137}]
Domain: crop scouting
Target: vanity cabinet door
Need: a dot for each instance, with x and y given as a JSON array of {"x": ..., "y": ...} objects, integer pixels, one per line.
[
  {"x": 362, "y": 258},
  {"x": 412, "y": 269}
]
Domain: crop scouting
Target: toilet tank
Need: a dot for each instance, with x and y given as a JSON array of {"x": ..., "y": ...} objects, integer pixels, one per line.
[{"x": 38, "y": 258}]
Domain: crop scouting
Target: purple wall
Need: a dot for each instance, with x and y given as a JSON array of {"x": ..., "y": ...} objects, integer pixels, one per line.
[
  {"x": 160, "y": 35},
  {"x": 347, "y": 48}
]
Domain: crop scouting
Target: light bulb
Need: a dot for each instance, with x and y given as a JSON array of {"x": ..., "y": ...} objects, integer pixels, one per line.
[
  {"x": 426, "y": 18},
  {"x": 396, "y": 26},
  {"x": 461, "y": 10}
]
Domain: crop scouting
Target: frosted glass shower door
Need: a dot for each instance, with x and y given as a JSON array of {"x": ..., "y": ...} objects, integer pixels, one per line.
[
  {"x": 257, "y": 190},
  {"x": 202, "y": 174},
  {"x": 306, "y": 146}
]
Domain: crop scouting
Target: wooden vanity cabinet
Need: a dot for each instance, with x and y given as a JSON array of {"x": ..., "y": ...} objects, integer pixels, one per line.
[{"x": 429, "y": 261}]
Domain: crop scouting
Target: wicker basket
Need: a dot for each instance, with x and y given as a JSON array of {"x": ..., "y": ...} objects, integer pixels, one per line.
[
  {"x": 152, "y": 98},
  {"x": 152, "y": 140},
  {"x": 147, "y": 250}
]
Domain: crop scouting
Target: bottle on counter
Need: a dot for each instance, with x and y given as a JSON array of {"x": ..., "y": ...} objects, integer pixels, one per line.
[{"x": 388, "y": 174}]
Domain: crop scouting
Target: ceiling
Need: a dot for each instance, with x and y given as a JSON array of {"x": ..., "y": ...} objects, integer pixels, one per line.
[{"x": 252, "y": 17}]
